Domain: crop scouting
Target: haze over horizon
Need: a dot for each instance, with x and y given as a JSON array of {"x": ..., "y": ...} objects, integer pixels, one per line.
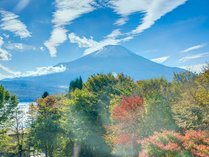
[{"x": 35, "y": 36}]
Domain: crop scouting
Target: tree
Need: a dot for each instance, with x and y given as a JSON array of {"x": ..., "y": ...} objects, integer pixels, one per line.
[
  {"x": 76, "y": 84},
  {"x": 8, "y": 103},
  {"x": 45, "y": 94},
  {"x": 46, "y": 130},
  {"x": 156, "y": 93},
  {"x": 7, "y": 145},
  {"x": 83, "y": 123},
  {"x": 18, "y": 130},
  {"x": 190, "y": 103},
  {"x": 125, "y": 129},
  {"x": 153, "y": 88},
  {"x": 202, "y": 92}
]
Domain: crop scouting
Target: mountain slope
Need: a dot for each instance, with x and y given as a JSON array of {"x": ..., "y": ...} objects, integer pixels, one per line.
[{"x": 110, "y": 59}]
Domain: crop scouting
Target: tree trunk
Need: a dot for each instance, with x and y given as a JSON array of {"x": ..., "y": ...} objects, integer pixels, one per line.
[{"x": 76, "y": 150}]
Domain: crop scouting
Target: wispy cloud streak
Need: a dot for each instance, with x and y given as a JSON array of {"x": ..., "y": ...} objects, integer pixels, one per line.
[
  {"x": 160, "y": 59},
  {"x": 192, "y": 57},
  {"x": 195, "y": 47},
  {"x": 10, "y": 22},
  {"x": 153, "y": 10}
]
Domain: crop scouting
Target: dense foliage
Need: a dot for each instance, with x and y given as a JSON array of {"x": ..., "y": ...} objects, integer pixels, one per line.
[
  {"x": 168, "y": 143},
  {"x": 114, "y": 116},
  {"x": 7, "y": 104}
]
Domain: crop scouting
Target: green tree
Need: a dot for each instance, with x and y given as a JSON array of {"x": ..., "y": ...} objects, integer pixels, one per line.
[
  {"x": 7, "y": 144},
  {"x": 101, "y": 89},
  {"x": 106, "y": 88},
  {"x": 45, "y": 133},
  {"x": 8, "y": 103},
  {"x": 158, "y": 113},
  {"x": 83, "y": 122},
  {"x": 76, "y": 84},
  {"x": 191, "y": 105}
]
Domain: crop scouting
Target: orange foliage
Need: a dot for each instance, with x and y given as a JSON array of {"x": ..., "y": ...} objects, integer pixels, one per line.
[
  {"x": 127, "y": 106},
  {"x": 197, "y": 142},
  {"x": 126, "y": 116}
]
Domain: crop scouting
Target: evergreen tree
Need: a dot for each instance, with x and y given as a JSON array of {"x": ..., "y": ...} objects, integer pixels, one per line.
[
  {"x": 45, "y": 94},
  {"x": 76, "y": 84}
]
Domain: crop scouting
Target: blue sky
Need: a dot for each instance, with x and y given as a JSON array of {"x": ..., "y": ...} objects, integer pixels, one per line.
[{"x": 35, "y": 35}]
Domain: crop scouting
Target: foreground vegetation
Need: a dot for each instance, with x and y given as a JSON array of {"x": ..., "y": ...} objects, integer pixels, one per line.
[{"x": 112, "y": 116}]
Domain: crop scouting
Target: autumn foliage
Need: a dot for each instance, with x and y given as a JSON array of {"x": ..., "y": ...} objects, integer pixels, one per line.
[
  {"x": 167, "y": 143},
  {"x": 128, "y": 105},
  {"x": 125, "y": 115}
]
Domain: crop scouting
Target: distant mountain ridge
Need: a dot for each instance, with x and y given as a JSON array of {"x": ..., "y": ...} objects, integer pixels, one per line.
[{"x": 110, "y": 59}]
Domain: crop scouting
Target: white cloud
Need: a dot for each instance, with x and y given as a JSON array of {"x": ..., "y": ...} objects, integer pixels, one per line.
[
  {"x": 66, "y": 12},
  {"x": 160, "y": 59},
  {"x": 69, "y": 10},
  {"x": 115, "y": 33},
  {"x": 198, "y": 68},
  {"x": 22, "y": 5},
  {"x": 38, "y": 72},
  {"x": 126, "y": 8},
  {"x": 20, "y": 47},
  {"x": 192, "y": 57},
  {"x": 121, "y": 21},
  {"x": 44, "y": 71},
  {"x": 100, "y": 45},
  {"x": 4, "y": 54},
  {"x": 82, "y": 42},
  {"x": 153, "y": 10},
  {"x": 156, "y": 10},
  {"x": 58, "y": 36},
  {"x": 195, "y": 47},
  {"x": 10, "y": 22},
  {"x": 92, "y": 45}
]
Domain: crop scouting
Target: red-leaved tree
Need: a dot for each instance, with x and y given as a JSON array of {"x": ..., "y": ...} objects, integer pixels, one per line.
[{"x": 126, "y": 117}]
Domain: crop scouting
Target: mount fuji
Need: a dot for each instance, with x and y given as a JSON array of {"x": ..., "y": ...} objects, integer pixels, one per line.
[{"x": 110, "y": 59}]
